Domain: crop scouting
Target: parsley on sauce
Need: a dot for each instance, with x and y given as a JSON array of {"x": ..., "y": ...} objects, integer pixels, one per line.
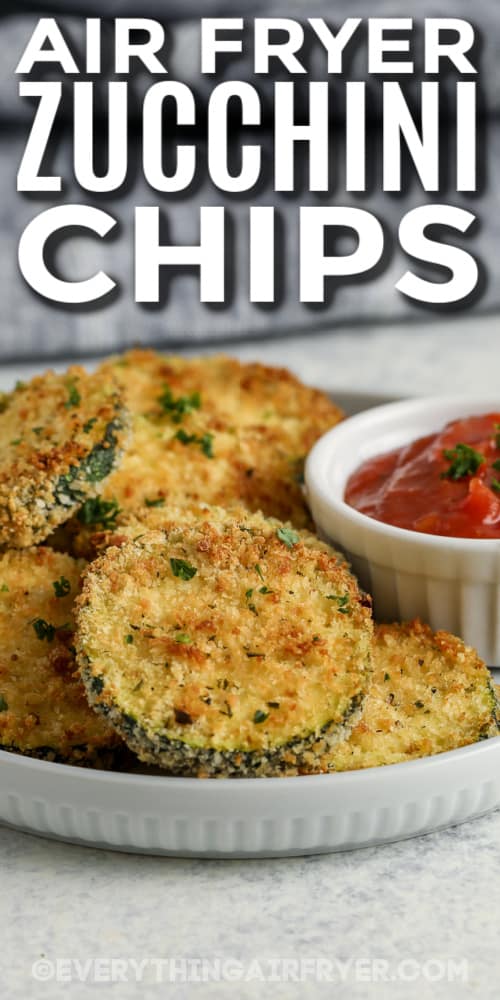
[{"x": 464, "y": 461}]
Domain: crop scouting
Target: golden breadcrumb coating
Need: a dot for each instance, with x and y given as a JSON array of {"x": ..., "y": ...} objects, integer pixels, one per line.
[
  {"x": 428, "y": 693},
  {"x": 43, "y": 708},
  {"x": 60, "y": 437},
  {"x": 129, "y": 524},
  {"x": 213, "y": 429},
  {"x": 224, "y": 644}
]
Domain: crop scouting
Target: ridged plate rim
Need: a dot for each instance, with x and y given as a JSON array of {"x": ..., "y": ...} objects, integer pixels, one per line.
[{"x": 249, "y": 817}]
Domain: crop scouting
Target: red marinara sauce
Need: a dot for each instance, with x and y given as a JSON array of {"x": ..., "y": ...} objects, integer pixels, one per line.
[{"x": 443, "y": 484}]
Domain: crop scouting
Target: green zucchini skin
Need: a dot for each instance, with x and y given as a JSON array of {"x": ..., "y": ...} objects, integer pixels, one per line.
[
  {"x": 72, "y": 489},
  {"x": 81, "y": 482},
  {"x": 180, "y": 758},
  {"x": 494, "y": 728}
]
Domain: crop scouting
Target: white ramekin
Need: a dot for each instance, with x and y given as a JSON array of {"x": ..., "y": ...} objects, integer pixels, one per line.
[{"x": 451, "y": 583}]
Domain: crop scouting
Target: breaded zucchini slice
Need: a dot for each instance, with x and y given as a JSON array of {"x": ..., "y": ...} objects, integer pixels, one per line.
[
  {"x": 428, "y": 693},
  {"x": 60, "y": 437},
  {"x": 121, "y": 526},
  {"x": 224, "y": 645},
  {"x": 213, "y": 429},
  {"x": 43, "y": 708}
]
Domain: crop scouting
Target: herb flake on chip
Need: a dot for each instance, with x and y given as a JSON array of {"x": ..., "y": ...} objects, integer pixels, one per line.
[
  {"x": 183, "y": 569},
  {"x": 288, "y": 537}
]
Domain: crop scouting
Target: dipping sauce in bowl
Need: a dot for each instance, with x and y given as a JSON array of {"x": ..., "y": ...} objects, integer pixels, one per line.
[{"x": 447, "y": 483}]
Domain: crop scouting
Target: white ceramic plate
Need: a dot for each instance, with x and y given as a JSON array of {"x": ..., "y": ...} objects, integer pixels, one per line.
[{"x": 250, "y": 817}]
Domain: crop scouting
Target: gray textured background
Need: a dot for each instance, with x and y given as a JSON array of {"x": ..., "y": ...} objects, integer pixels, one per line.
[{"x": 30, "y": 326}]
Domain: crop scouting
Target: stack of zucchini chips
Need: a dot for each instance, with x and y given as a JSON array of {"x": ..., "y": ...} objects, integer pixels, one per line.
[{"x": 164, "y": 599}]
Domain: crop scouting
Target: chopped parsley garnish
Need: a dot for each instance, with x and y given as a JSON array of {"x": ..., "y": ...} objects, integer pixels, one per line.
[
  {"x": 158, "y": 502},
  {"x": 89, "y": 425},
  {"x": 44, "y": 630},
  {"x": 251, "y": 607},
  {"x": 61, "y": 587},
  {"x": 182, "y": 638},
  {"x": 342, "y": 602},
  {"x": 183, "y": 569},
  {"x": 3, "y": 704},
  {"x": 259, "y": 571},
  {"x": 97, "y": 511},
  {"x": 19, "y": 385},
  {"x": 4, "y": 589},
  {"x": 260, "y": 716},
  {"x": 288, "y": 537},
  {"x": 495, "y": 485},
  {"x": 265, "y": 590},
  {"x": 204, "y": 441},
  {"x": 496, "y": 465},
  {"x": 178, "y": 408},
  {"x": 387, "y": 677},
  {"x": 465, "y": 461},
  {"x": 74, "y": 398},
  {"x": 497, "y": 435},
  {"x": 129, "y": 639},
  {"x": 16, "y": 441}
]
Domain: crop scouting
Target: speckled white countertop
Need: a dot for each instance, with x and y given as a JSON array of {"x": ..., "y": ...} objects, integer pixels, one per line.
[{"x": 403, "y": 911}]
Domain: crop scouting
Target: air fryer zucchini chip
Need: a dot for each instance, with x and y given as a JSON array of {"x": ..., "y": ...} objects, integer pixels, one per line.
[
  {"x": 60, "y": 437},
  {"x": 213, "y": 429},
  {"x": 130, "y": 524},
  {"x": 43, "y": 709},
  {"x": 428, "y": 693},
  {"x": 224, "y": 644}
]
